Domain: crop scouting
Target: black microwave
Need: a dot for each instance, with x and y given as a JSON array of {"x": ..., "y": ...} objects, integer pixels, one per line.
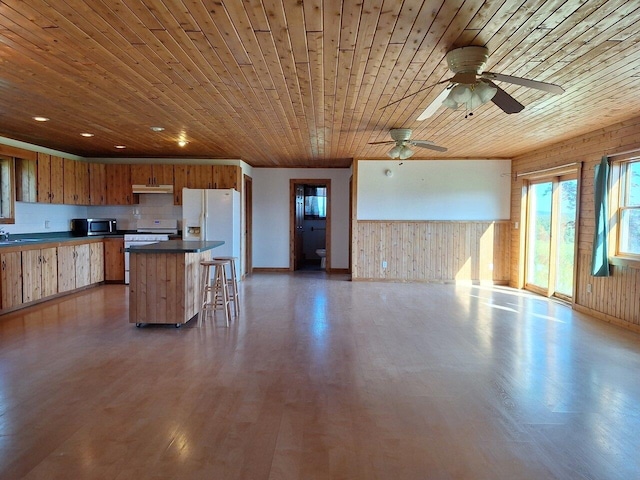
[{"x": 82, "y": 227}]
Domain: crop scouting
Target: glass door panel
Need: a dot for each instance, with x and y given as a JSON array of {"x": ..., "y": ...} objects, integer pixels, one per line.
[
  {"x": 565, "y": 237},
  {"x": 538, "y": 252}
]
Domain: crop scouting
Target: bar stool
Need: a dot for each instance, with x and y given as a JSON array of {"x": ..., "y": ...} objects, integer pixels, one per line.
[
  {"x": 234, "y": 293},
  {"x": 215, "y": 289}
]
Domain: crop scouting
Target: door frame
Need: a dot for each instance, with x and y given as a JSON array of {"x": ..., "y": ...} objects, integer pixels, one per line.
[
  {"x": 555, "y": 176},
  {"x": 248, "y": 225},
  {"x": 320, "y": 182}
]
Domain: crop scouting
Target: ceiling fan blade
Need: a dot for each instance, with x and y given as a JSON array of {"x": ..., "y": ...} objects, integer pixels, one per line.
[
  {"x": 504, "y": 101},
  {"x": 435, "y": 105},
  {"x": 428, "y": 144},
  {"x": 414, "y": 93},
  {"x": 387, "y": 142},
  {"x": 525, "y": 82}
]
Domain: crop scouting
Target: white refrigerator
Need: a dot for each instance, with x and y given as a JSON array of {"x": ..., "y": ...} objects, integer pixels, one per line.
[{"x": 213, "y": 214}]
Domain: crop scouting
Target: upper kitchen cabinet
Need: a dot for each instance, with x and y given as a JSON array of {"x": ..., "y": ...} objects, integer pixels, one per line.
[
  {"x": 145, "y": 174},
  {"x": 76, "y": 182},
  {"x": 7, "y": 187},
  {"x": 97, "y": 184},
  {"x": 180, "y": 176},
  {"x": 227, "y": 176},
  {"x": 200, "y": 176},
  {"x": 119, "y": 184},
  {"x": 50, "y": 178},
  {"x": 26, "y": 176}
]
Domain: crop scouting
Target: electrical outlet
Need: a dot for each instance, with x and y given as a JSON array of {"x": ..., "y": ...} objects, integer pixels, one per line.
[
  {"x": 384, "y": 264},
  {"x": 588, "y": 288},
  {"x": 47, "y": 224}
]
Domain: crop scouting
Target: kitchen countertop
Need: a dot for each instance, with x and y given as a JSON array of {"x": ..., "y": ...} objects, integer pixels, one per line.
[
  {"x": 29, "y": 239},
  {"x": 175, "y": 246}
]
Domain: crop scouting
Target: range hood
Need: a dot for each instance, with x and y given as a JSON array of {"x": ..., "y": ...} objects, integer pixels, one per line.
[{"x": 152, "y": 188}]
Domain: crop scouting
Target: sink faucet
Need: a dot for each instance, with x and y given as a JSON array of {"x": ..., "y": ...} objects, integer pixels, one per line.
[{"x": 4, "y": 235}]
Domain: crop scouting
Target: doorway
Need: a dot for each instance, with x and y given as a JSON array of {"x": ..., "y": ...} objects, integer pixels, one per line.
[
  {"x": 550, "y": 236},
  {"x": 248, "y": 222},
  {"x": 310, "y": 224}
]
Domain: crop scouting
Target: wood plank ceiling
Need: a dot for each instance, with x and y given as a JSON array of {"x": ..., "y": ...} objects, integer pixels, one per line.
[{"x": 301, "y": 83}]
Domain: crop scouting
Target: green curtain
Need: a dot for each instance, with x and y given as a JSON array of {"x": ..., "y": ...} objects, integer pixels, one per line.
[{"x": 600, "y": 255}]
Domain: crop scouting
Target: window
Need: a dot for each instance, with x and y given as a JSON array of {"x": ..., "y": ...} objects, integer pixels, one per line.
[
  {"x": 628, "y": 208},
  {"x": 315, "y": 202}
]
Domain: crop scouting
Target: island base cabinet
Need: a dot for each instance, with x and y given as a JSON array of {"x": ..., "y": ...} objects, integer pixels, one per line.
[{"x": 164, "y": 287}]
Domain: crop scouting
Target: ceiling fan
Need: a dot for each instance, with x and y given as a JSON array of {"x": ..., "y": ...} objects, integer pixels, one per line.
[
  {"x": 472, "y": 87},
  {"x": 402, "y": 139}
]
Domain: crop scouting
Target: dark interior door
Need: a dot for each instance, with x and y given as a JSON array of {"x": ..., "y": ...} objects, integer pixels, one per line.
[{"x": 299, "y": 227}]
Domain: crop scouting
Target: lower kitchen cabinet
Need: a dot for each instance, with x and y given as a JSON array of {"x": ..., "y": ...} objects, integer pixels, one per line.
[
  {"x": 33, "y": 274},
  {"x": 39, "y": 274},
  {"x": 96, "y": 262},
  {"x": 11, "y": 279},
  {"x": 114, "y": 260},
  {"x": 74, "y": 267}
]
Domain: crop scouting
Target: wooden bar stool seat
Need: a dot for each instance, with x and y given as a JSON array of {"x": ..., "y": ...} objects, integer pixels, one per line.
[
  {"x": 214, "y": 289},
  {"x": 234, "y": 293}
]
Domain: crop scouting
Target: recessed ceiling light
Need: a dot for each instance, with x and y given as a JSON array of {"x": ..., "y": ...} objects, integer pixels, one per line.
[
  {"x": 157, "y": 129},
  {"x": 121, "y": 146},
  {"x": 86, "y": 134},
  {"x": 41, "y": 119}
]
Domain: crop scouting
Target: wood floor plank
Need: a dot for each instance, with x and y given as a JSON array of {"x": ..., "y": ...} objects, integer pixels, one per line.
[{"x": 320, "y": 378}]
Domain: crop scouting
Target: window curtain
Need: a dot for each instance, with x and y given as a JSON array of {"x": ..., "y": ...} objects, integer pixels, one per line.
[{"x": 600, "y": 255}]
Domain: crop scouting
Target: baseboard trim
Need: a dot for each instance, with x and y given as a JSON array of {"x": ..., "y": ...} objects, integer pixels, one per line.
[
  {"x": 607, "y": 318},
  {"x": 338, "y": 271},
  {"x": 269, "y": 270}
]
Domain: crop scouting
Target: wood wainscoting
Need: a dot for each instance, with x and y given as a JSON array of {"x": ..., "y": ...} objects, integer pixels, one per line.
[{"x": 432, "y": 251}]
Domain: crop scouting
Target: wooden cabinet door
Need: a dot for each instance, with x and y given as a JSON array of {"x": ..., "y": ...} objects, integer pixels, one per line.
[
  {"x": 25, "y": 179},
  {"x": 114, "y": 260},
  {"x": 11, "y": 279},
  {"x": 44, "y": 177},
  {"x": 226, "y": 176},
  {"x": 83, "y": 265},
  {"x": 49, "y": 262},
  {"x": 142, "y": 174},
  {"x": 31, "y": 275},
  {"x": 69, "y": 182},
  {"x": 66, "y": 268},
  {"x": 200, "y": 176},
  {"x": 82, "y": 184},
  {"x": 57, "y": 179},
  {"x": 98, "y": 184},
  {"x": 163, "y": 174},
  {"x": 180, "y": 176},
  {"x": 96, "y": 254},
  {"x": 119, "y": 184}
]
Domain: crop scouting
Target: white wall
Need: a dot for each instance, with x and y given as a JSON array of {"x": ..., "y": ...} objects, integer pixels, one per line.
[
  {"x": 271, "y": 216},
  {"x": 434, "y": 190},
  {"x": 31, "y": 218}
]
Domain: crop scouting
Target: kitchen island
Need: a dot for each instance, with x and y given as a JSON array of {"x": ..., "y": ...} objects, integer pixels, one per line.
[{"x": 164, "y": 281}]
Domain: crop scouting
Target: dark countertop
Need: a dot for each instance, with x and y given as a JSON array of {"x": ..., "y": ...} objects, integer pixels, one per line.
[
  {"x": 29, "y": 239},
  {"x": 175, "y": 246}
]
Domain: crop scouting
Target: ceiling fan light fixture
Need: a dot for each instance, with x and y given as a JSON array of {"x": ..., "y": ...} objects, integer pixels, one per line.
[
  {"x": 405, "y": 152},
  {"x": 471, "y": 96},
  {"x": 395, "y": 151}
]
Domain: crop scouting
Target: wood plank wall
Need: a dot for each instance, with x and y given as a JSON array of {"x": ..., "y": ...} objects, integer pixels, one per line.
[
  {"x": 432, "y": 251},
  {"x": 617, "y": 298}
]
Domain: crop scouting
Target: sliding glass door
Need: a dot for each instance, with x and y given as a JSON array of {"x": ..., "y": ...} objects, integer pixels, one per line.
[{"x": 550, "y": 236}]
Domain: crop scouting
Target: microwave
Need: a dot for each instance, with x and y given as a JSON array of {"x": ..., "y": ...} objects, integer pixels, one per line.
[{"x": 82, "y": 227}]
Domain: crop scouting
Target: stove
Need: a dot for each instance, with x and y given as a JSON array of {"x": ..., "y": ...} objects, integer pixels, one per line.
[{"x": 148, "y": 231}]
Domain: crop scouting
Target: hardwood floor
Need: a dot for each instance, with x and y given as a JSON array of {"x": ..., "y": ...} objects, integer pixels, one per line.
[{"x": 321, "y": 378}]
